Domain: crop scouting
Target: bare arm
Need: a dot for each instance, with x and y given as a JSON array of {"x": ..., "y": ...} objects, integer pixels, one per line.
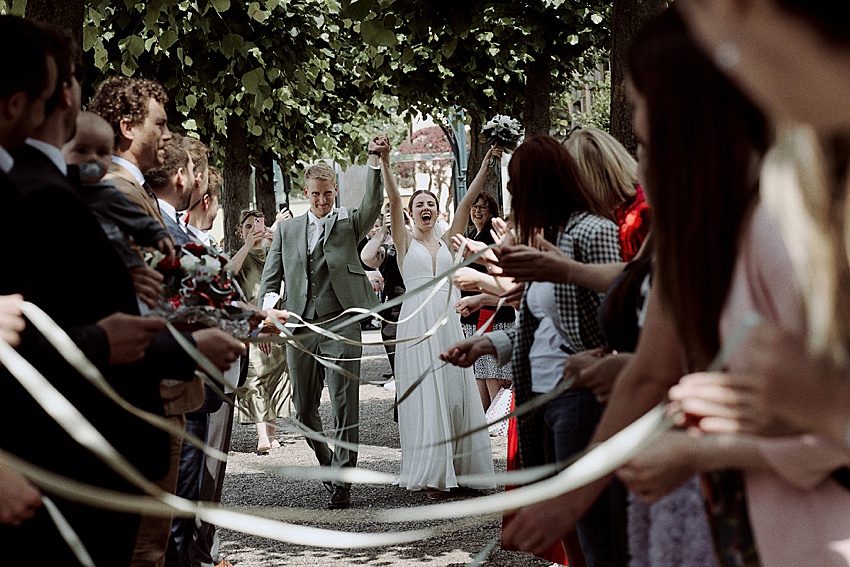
[
  {"x": 469, "y": 279},
  {"x": 657, "y": 365},
  {"x": 676, "y": 456},
  {"x": 524, "y": 263},
  {"x": 238, "y": 259},
  {"x": 401, "y": 238},
  {"x": 461, "y": 218},
  {"x": 373, "y": 253}
]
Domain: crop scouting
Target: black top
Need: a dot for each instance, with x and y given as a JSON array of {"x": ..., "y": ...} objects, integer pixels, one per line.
[
  {"x": 618, "y": 314},
  {"x": 505, "y": 314},
  {"x": 393, "y": 282}
]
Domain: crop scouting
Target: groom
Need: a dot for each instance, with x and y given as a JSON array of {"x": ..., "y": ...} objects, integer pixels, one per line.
[{"x": 316, "y": 255}]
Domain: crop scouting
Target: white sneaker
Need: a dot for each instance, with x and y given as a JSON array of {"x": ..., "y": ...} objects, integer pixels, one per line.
[{"x": 390, "y": 385}]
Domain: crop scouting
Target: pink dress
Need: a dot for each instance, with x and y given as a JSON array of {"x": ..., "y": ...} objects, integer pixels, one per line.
[{"x": 799, "y": 515}]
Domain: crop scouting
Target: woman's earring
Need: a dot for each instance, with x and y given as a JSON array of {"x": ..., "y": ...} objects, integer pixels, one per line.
[{"x": 727, "y": 56}]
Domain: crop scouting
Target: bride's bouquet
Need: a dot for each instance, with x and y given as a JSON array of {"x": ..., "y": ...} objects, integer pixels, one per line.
[
  {"x": 198, "y": 292},
  {"x": 503, "y": 131}
]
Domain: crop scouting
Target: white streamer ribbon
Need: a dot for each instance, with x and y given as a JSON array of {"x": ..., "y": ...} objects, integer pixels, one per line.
[{"x": 67, "y": 532}]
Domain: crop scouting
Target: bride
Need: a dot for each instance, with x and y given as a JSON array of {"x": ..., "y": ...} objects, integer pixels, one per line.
[{"x": 446, "y": 403}]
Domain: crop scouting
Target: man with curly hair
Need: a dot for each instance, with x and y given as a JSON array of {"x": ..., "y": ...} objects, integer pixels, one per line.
[{"x": 135, "y": 108}]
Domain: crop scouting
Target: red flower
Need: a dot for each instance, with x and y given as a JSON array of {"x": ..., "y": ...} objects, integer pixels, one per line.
[
  {"x": 169, "y": 264},
  {"x": 195, "y": 249}
]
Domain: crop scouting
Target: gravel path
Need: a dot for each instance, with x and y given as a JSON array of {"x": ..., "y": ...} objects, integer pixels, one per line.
[{"x": 246, "y": 484}]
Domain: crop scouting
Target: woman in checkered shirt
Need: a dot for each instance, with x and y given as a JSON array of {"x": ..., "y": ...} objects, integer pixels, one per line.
[{"x": 550, "y": 198}]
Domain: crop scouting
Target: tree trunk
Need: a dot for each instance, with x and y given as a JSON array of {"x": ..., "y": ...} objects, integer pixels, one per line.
[
  {"x": 264, "y": 186},
  {"x": 237, "y": 175},
  {"x": 535, "y": 115},
  {"x": 67, "y": 14},
  {"x": 628, "y": 17}
]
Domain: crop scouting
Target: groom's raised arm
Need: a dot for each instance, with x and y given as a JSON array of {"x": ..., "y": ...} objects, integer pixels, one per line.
[{"x": 373, "y": 198}]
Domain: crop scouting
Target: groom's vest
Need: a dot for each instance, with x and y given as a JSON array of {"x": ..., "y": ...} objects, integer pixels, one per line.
[{"x": 321, "y": 299}]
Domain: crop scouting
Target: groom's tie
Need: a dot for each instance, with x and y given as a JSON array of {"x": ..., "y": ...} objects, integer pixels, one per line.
[{"x": 320, "y": 231}]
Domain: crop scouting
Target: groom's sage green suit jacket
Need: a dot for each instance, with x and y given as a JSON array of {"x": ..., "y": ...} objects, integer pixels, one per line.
[{"x": 287, "y": 258}]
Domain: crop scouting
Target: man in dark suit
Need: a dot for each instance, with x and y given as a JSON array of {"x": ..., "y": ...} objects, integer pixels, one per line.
[
  {"x": 28, "y": 80},
  {"x": 316, "y": 254},
  {"x": 80, "y": 281}
]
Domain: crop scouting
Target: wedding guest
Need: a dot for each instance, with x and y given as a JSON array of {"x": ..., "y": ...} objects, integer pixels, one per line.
[
  {"x": 489, "y": 377},
  {"x": 761, "y": 44},
  {"x": 380, "y": 253},
  {"x": 91, "y": 150},
  {"x": 135, "y": 108},
  {"x": 199, "y": 154},
  {"x": 266, "y": 394},
  {"x": 98, "y": 309},
  {"x": 317, "y": 255},
  {"x": 612, "y": 173},
  {"x": 28, "y": 80},
  {"x": 555, "y": 321},
  {"x": 692, "y": 275},
  {"x": 215, "y": 415},
  {"x": 200, "y": 217},
  {"x": 173, "y": 183}
]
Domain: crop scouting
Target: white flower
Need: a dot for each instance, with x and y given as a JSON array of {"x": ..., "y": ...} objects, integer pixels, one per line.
[
  {"x": 210, "y": 264},
  {"x": 504, "y": 128},
  {"x": 190, "y": 263}
]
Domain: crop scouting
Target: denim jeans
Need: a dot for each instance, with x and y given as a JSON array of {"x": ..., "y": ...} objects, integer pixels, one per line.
[{"x": 571, "y": 420}]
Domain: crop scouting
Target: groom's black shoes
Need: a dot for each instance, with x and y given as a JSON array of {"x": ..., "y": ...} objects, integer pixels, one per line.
[{"x": 341, "y": 498}]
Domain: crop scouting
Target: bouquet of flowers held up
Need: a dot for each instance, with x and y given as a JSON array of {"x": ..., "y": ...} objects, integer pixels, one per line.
[
  {"x": 502, "y": 131},
  {"x": 197, "y": 292}
]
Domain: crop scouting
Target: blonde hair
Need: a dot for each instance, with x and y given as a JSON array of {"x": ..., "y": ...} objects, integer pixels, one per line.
[
  {"x": 813, "y": 211},
  {"x": 606, "y": 166},
  {"x": 320, "y": 170}
]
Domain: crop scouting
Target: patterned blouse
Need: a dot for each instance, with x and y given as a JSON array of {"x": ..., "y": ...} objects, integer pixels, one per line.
[{"x": 589, "y": 239}]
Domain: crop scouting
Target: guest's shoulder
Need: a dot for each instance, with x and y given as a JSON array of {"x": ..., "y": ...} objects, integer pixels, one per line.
[
  {"x": 583, "y": 223},
  {"x": 120, "y": 177}
]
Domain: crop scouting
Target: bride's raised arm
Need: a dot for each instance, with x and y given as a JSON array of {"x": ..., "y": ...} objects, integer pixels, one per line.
[
  {"x": 401, "y": 237},
  {"x": 461, "y": 217}
]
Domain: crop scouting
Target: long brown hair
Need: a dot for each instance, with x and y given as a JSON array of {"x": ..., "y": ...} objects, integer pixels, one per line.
[
  {"x": 704, "y": 152},
  {"x": 547, "y": 188}
]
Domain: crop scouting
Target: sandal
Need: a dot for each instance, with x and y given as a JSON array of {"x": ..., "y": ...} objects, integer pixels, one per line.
[{"x": 434, "y": 494}]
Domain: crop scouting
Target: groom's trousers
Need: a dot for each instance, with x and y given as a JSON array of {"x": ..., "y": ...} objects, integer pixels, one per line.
[{"x": 308, "y": 376}]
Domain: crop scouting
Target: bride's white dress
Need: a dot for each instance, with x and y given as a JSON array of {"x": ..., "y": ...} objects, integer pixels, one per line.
[{"x": 446, "y": 403}]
